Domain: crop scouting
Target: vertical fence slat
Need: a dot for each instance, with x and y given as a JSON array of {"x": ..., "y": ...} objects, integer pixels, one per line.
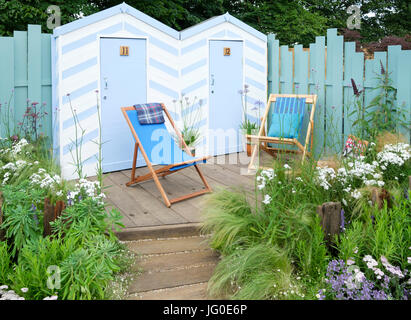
[
  {"x": 34, "y": 63},
  {"x": 317, "y": 82},
  {"x": 20, "y": 68},
  {"x": 286, "y": 70},
  {"x": 46, "y": 81},
  {"x": 334, "y": 98},
  {"x": 6, "y": 80},
  {"x": 300, "y": 70},
  {"x": 372, "y": 70},
  {"x": 404, "y": 91},
  {"x": 353, "y": 69},
  {"x": 273, "y": 66}
]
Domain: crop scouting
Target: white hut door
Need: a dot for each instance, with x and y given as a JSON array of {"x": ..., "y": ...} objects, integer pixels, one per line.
[
  {"x": 123, "y": 83},
  {"x": 225, "y": 110}
]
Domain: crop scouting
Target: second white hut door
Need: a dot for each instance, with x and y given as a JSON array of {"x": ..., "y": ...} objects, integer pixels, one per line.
[{"x": 225, "y": 109}]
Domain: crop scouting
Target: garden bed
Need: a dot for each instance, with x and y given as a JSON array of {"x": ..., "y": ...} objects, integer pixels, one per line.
[
  {"x": 276, "y": 248},
  {"x": 58, "y": 237}
]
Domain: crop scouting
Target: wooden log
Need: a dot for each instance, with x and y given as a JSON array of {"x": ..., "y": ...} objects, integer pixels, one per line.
[
  {"x": 330, "y": 214},
  {"x": 49, "y": 216},
  {"x": 2, "y": 232}
]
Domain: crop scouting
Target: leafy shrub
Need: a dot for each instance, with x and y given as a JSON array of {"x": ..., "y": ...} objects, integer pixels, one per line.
[{"x": 5, "y": 263}]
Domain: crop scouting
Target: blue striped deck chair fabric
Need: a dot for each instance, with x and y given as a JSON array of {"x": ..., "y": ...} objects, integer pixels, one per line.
[
  {"x": 158, "y": 147},
  {"x": 287, "y": 117},
  {"x": 288, "y": 113}
]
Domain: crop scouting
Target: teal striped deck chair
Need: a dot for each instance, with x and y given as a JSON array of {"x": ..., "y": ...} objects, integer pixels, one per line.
[
  {"x": 287, "y": 119},
  {"x": 158, "y": 147}
]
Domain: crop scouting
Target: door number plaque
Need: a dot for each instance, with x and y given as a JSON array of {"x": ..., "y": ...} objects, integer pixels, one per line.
[
  {"x": 124, "y": 50},
  {"x": 227, "y": 51}
]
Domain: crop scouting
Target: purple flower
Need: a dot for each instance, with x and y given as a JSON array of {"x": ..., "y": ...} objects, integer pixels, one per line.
[
  {"x": 382, "y": 68},
  {"x": 355, "y": 89},
  {"x": 342, "y": 226}
]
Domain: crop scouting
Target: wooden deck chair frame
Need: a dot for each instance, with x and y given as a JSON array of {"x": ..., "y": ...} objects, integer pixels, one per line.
[
  {"x": 165, "y": 170},
  {"x": 262, "y": 140}
]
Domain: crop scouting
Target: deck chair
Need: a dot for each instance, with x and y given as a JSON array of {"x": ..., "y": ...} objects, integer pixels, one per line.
[
  {"x": 285, "y": 104},
  {"x": 175, "y": 158}
]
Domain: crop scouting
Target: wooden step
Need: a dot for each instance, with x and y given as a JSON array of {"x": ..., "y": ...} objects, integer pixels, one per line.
[
  {"x": 172, "y": 278},
  {"x": 180, "y": 260},
  {"x": 189, "y": 292},
  {"x": 168, "y": 245},
  {"x": 162, "y": 231}
]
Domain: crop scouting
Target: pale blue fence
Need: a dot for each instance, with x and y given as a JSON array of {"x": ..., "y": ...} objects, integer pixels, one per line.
[
  {"x": 25, "y": 68},
  {"x": 326, "y": 70}
]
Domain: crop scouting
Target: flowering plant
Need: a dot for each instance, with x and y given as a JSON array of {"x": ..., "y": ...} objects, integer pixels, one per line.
[{"x": 346, "y": 281}]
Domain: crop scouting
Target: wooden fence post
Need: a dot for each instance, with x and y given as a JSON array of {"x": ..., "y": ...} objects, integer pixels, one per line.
[
  {"x": 330, "y": 214},
  {"x": 48, "y": 217},
  {"x": 51, "y": 213},
  {"x": 2, "y": 235}
]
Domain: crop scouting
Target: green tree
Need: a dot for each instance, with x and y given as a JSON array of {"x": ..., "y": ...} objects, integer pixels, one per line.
[
  {"x": 289, "y": 20},
  {"x": 17, "y": 14}
]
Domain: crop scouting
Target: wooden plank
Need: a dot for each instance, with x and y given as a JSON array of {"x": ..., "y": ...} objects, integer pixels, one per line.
[
  {"x": 286, "y": 70},
  {"x": 317, "y": 86},
  {"x": 273, "y": 48},
  {"x": 165, "y": 262},
  {"x": 128, "y": 205},
  {"x": 170, "y": 245},
  {"x": 125, "y": 220},
  {"x": 353, "y": 69},
  {"x": 149, "y": 204},
  {"x": 330, "y": 214},
  {"x": 300, "y": 70},
  {"x": 404, "y": 92},
  {"x": 162, "y": 231},
  {"x": 6, "y": 84},
  {"x": 173, "y": 278},
  {"x": 34, "y": 63},
  {"x": 196, "y": 291},
  {"x": 46, "y": 83},
  {"x": 334, "y": 96},
  {"x": 20, "y": 70},
  {"x": 174, "y": 189}
]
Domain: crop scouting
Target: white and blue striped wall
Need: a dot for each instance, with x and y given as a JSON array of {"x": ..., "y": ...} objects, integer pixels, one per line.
[{"x": 177, "y": 64}]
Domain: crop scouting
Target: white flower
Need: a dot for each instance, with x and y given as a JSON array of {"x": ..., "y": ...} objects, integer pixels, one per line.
[
  {"x": 24, "y": 290},
  {"x": 356, "y": 194},
  {"x": 350, "y": 262},
  {"x": 286, "y": 166},
  {"x": 267, "y": 199}
]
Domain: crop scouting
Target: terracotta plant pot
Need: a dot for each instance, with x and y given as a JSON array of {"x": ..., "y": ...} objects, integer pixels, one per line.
[
  {"x": 249, "y": 149},
  {"x": 193, "y": 151}
]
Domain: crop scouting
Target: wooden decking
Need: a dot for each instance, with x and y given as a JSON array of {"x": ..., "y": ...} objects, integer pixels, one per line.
[{"x": 142, "y": 206}]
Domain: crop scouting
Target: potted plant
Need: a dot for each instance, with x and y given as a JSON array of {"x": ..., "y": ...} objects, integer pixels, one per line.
[
  {"x": 190, "y": 112},
  {"x": 247, "y": 127}
]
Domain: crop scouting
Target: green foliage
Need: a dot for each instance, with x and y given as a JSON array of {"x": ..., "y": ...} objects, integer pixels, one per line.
[
  {"x": 257, "y": 240},
  {"x": 382, "y": 114},
  {"x": 386, "y": 232},
  {"x": 33, "y": 262},
  {"x": 21, "y": 214},
  {"x": 87, "y": 218},
  {"x": 5, "y": 263}
]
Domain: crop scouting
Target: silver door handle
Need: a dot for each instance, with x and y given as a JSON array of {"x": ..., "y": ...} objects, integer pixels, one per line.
[
  {"x": 212, "y": 80},
  {"x": 105, "y": 83}
]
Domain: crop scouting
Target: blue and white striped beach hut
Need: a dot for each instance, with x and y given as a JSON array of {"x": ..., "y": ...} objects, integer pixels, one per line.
[{"x": 121, "y": 56}]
